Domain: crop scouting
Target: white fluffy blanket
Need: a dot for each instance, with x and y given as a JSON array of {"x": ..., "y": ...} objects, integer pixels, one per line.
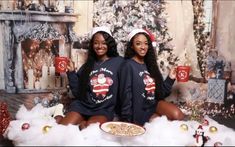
[{"x": 159, "y": 132}]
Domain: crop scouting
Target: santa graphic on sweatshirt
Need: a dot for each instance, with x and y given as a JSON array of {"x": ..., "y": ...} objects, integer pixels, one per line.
[
  {"x": 149, "y": 84},
  {"x": 101, "y": 84}
]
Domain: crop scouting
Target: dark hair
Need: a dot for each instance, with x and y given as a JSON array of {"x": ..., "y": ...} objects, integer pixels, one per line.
[
  {"x": 150, "y": 60},
  {"x": 92, "y": 58}
]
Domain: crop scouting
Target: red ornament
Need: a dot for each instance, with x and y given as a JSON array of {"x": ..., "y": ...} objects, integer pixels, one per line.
[
  {"x": 205, "y": 122},
  {"x": 25, "y": 126},
  {"x": 4, "y": 117}
]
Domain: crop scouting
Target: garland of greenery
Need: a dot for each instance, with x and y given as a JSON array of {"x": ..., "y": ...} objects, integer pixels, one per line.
[{"x": 201, "y": 37}]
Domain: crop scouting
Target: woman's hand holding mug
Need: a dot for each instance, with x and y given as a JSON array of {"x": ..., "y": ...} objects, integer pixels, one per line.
[{"x": 71, "y": 65}]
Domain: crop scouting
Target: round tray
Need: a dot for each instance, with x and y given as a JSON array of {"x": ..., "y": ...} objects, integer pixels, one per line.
[{"x": 118, "y": 128}]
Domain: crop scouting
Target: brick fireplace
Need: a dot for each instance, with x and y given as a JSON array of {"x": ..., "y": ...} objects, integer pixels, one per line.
[{"x": 30, "y": 28}]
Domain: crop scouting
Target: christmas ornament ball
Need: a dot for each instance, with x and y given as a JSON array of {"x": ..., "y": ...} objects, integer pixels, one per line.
[
  {"x": 184, "y": 127},
  {"x": 46, "y": 129},
  {"x": 25, "y": 126},
  {"x": 217, "y": 144},
  {"x": 205, "y": 122},
  {"x": 213, "y": 129}
]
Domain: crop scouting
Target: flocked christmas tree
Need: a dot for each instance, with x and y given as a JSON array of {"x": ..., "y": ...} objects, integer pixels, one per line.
[{"x": 123, "y": 16}]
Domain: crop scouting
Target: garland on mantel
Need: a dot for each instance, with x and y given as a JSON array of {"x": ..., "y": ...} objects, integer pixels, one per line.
[{"x": 43, "y": 32}]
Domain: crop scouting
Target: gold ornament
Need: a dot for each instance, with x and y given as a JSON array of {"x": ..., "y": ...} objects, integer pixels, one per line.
[
  {"x": 213, "y": 129},
  {"x": 184, "y": 127},
  {"x": 45, "y": 129}
]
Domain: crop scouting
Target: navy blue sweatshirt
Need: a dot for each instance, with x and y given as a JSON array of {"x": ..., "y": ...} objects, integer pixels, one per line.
[
  {"x": 137, "y": 92},
  {"x": 102, "y": 91}
]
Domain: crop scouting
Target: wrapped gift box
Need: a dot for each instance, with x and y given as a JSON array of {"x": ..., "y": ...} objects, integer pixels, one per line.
[{"x": 217, "y": 89}]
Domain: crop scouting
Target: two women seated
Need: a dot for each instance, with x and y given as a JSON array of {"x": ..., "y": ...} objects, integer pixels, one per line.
[{"x": 107, "y": 83}]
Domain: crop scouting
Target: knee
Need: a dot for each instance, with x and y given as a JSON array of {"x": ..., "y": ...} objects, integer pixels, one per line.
[{"x": 178, "y": 115}]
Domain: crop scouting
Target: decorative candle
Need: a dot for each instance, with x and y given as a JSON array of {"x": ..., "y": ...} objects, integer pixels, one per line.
[
  {"x": 30, "y": 79},
  {"x": 44, "y": 82},
  {"x": 52, "y": 70},
  {"x": 44, "y": 71},
  {"x": 52, "y": 76},
  {"x": 37, "y": 85}
]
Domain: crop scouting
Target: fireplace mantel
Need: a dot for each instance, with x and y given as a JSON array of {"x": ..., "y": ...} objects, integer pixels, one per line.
[
  {"x": 14, "y": 25},
  {"x": 38, "y": 16}
]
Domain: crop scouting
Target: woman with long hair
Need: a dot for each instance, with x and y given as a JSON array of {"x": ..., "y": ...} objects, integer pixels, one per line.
[
  {"x": 95, "y": 85},
  {"x": 142, "y": 88}
]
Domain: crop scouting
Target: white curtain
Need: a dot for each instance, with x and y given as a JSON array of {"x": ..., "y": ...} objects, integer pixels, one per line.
[
  {"x": 180, "y": 24},
  {"x": 225, "y": 32}
]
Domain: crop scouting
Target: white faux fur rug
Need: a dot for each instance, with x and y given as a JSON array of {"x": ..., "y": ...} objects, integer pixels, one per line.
[{"x": 159, "y": 132}]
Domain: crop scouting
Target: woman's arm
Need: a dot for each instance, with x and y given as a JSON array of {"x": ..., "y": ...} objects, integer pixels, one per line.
[
  {"x": 168, "y": 83},
  {"x": 125, "y": 93},
  {"x": 73, "y": 79}
]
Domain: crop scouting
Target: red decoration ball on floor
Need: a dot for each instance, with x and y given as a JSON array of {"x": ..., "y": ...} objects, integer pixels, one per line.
[
  {"x": 205, "y": 122},
  {"x": 25, "y": 126}
]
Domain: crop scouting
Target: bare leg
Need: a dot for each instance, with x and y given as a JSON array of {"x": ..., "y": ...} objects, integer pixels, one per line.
[
  {"x": 98, "y": 118},
  {"x": 170, "y": 110},
  {"x": 72, "y": 118}
]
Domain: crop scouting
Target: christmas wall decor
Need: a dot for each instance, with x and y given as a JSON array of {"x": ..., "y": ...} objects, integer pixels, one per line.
[{"x": 124, "y": 16}]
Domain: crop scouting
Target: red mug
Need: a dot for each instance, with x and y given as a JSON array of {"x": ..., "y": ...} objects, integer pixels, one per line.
[
  {"x": 182, "y": 73},
  {"x": 61, "y": 64}
]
